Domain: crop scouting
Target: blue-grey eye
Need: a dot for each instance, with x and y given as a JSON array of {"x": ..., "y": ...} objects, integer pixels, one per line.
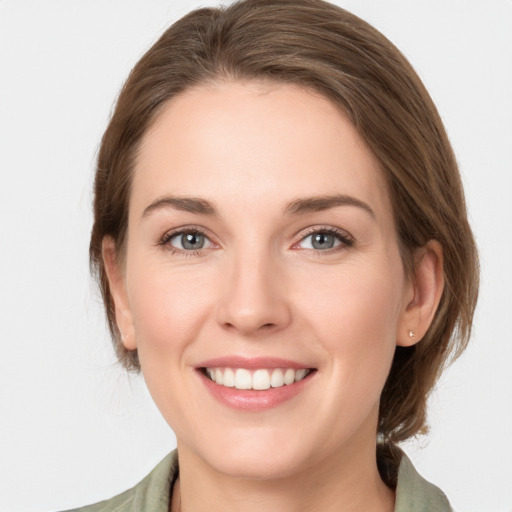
[
  {"x": 191, "y": 241},
  {"x": 322, "y": 241}
]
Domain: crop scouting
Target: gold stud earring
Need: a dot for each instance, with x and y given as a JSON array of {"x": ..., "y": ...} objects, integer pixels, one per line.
[{"x": 412, "y": 335}]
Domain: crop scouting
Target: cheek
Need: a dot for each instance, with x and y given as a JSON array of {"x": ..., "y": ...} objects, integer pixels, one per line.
[
  {"x": 354, "y": 301},
  {"x": 355, "y": 314},
  {"x": 167, "y": 307}
]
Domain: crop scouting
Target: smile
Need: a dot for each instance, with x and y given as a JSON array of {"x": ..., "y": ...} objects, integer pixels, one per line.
[
  {"x": 258, "y": 379},
  {"x": 255, "y": 384}
]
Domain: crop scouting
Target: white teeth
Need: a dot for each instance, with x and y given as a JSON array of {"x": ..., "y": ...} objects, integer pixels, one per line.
[
  {"x": 260, "y": 379},
  {"x": 300, "y": 374},
  {"x": 277, "y": 378},
  {"x": 229, "y": 378},
  {"x": 242, "y": 379},
  {"x": 289, "y": 376}
]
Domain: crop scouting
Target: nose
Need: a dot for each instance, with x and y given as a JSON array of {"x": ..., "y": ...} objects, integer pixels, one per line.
[{"x": 255, "y": 297}]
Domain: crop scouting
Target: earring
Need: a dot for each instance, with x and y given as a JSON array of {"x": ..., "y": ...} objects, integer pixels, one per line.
[{"x": 412, "y": 335}]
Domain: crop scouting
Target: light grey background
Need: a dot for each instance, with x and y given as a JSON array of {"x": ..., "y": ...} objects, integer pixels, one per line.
[{"x": 74, "y": 427}]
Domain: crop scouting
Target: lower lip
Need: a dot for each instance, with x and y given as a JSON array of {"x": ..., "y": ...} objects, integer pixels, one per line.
[{"x": 254, "y": 400}]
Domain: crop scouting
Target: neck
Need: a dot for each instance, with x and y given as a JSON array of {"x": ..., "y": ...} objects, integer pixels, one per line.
[{"x": 348, "y": 482}]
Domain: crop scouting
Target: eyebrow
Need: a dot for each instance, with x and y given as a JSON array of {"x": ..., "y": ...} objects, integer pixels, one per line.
[
  {"x": 321, "y": 203},
  {"x": 297, "y": 207},
  {"x": 185, "y": 204}
]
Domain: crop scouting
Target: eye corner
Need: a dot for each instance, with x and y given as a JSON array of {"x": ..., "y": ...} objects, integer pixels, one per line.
[
  {"x": 184, "y": 247},
  {"x": 336, "y": 238}
]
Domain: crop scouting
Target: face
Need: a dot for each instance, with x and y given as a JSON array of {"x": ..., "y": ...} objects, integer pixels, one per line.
[{"x": 262, "y": 254}]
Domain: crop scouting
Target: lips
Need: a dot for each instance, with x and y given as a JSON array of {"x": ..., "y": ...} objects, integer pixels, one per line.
[
  {"x": 254, "y": 383},
  {"x": 259, "y": 379}
]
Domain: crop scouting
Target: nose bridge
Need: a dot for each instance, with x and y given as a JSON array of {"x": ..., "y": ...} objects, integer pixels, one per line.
[{"x": 255, "y": 296}]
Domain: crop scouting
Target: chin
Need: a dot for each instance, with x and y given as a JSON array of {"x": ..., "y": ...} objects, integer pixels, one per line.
[
  {"x": 268, "y": 455},
  {"x": 258, "y": 465}
]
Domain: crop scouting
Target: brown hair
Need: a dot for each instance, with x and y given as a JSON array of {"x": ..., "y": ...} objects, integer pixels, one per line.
[{"x": 317, "y": 45}]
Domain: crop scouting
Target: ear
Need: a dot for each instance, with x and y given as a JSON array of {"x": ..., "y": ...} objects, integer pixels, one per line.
[
  {"x": 117, "y": 286},
  {"x": 424, "y": 292}
]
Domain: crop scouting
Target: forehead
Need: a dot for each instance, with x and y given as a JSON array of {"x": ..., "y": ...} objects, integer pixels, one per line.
[{"x": 256, "y": 142}]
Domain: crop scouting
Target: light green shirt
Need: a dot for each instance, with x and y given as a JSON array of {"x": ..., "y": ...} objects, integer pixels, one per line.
[{"x": 413, "y": 492}]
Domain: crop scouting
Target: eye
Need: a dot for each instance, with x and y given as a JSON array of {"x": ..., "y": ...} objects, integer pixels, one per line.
[
  {"x": 325, "y": 239},
  {"x": 187, "y": 241}
]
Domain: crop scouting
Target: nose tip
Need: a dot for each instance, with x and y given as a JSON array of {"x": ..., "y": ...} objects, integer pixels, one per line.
[
  {"x": 254, "y": 302},
  {"x": 247, "y": 322}
]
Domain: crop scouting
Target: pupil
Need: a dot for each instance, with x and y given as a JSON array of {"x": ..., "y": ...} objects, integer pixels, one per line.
[
  {"x": 192, "y": 241},
  {"x": 323, "y": 241}
]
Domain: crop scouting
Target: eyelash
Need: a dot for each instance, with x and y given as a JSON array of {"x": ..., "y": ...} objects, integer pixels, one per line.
[
  {"x": 342, "y": 236},
  {"x": 345, "y": 239},
  {"x": 164, "y": 242}
]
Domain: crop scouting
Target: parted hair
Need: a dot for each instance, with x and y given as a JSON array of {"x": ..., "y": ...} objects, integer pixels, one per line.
[{"x": 316, "y": 45}]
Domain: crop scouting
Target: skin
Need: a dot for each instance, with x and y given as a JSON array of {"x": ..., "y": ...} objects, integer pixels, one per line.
[{"x": 258, "y": 288}]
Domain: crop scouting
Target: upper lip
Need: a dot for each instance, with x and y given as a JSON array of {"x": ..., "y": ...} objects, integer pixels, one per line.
[{"x": 251, "y": 363}]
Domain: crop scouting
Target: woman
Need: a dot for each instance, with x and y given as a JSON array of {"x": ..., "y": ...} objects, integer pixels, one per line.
[{"x": 281, "y": 241}]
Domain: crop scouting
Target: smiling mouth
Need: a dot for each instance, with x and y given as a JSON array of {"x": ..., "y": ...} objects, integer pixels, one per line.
[{"x": 258, "y": 379}]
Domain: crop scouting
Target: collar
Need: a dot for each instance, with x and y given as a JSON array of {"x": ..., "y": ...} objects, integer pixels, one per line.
[{"x": 413, "y": 492}]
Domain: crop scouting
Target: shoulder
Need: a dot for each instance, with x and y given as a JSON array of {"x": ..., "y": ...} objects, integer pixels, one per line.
[
  {"x": 150, "y": 494},
  {"x": 415, "y": 494}
]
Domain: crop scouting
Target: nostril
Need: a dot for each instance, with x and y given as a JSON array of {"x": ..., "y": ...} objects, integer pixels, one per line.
[{"x": 266, "y": 327}]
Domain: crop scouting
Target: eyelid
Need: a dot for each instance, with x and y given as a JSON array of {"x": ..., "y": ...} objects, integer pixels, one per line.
[
  {"x": 181, "y": 230},
  {"x": 346, "y": 239}
]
